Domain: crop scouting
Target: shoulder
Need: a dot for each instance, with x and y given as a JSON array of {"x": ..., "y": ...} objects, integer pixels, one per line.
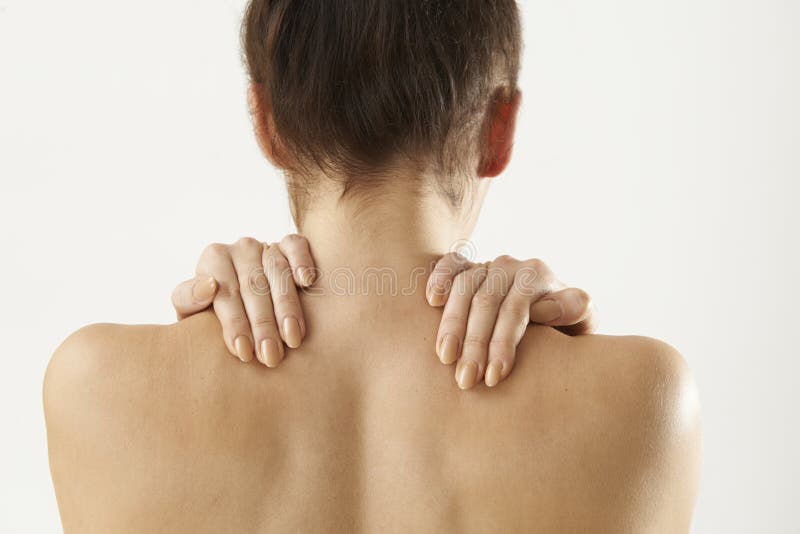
[
  {"x": 96, "y": 403},
  {"x": 631, "y": 411},
  {"x": 96, "y": 359},
  {"x": 632, "y": 376},
  {"x": 120, "y": 403},
  {"x": 641, "y": 362},
  {"x": 660, "y": 442},
  {"x": 96, "y": 383},
  {"x": 643, "y": 379},
  {"x": 629, "y": 373},
  {"x": 110, "y": 366},
  {"x": 650, "y": 399}
]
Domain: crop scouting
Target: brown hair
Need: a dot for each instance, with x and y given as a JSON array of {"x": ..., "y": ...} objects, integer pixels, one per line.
[{"x": 353, "y": 85}]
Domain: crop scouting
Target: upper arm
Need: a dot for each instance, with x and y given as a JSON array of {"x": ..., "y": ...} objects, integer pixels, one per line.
[
  {"x": 657, "y": 442},
  {"x": 69, "y": 381},
  {"x": 96, "y": 405}
]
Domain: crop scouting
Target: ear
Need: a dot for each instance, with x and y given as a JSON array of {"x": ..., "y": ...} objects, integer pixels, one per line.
[
  {"x": 263, "y": 125},
  {"x": 498, "y": 138}
]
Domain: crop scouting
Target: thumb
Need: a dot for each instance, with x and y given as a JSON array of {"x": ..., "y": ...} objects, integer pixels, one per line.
[{"x": 194, "y": 296}]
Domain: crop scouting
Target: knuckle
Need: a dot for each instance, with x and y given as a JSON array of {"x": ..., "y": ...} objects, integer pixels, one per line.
[
  {"x": 460, "y": 286},
  {"x": 216, "y": 249},
  {"x": 293, "y": 239},
  {"x": 265, "y": 321},
  {"x": 453, "y": 318},
  {"x": 503, "y": 261},
  {"x": 582, "y": 298},
  {"x": 518, "y": 315},
  {"x": 468, "y": 282},
  {"x": 454, "y": 258},
  {"x": 179, "y": 297},
  {"x": 247, "y": 243},
  {"x": 502, "y": 350},
  {"x": 257, "y": 283},
  {"x": 444, "y": 270},
  {"x": 276, "y": 262},
  {"x": 528, "y": 283},
  {"x": 497, "y": 281},
  {"x": 484, "y": 300},
  {"x": 237, "y": 322},
  {"x": 282, "y": 299},
  {"x": 476, "y": 341},
  {"x": 501, "y": 344},
  {"x": 229, "y": 291},
  {"x": 461, "y": 278},
  {"x": 536, "y": 264}
]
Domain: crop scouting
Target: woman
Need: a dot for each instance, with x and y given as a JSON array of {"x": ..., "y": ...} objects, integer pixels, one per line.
[
  {"x": 259, "y": 309},
  {"x": 389, "y": 120}
]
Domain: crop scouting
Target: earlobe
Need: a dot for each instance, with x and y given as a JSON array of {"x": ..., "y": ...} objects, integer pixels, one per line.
[{"x": 499, "y": 137}]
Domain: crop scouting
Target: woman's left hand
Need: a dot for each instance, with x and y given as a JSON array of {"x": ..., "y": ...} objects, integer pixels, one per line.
[{"x": 252, "y": 287}]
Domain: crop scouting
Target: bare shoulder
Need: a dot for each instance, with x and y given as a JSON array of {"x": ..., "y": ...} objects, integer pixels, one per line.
[
  {"x": 633, "y": 375},
  {"x": 643, "y": 379},
  {"x": 629, "y": 406},
  {"x": 123, "y": 405},
  {"x": 123, "y": 369},
  {"x": 102, "y": 359}
]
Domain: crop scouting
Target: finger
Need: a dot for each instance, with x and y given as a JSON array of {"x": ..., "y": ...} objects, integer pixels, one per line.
[
  {"x": 216, "y": 261},
  {"x": 532, "y": 281},
  {"x": 587, "y": 326},
  {"x": 453, "y": 326},
  {"x": 284, "y": 297},
  {"x": 254, "y": 289},
  {"x": 297, "y": 251},
  {"x": 512, "y": 322},
  {"x": 483, "y": 314},
  {"x": 570, "y": 310},
  {"x": 441, "y": 279},
  {"x": 567, "y": 307},
  {"x": 194, "y": 296}
]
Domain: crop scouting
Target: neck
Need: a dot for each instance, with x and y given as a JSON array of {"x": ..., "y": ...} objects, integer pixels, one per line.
[{"x": 393, "y": 227}]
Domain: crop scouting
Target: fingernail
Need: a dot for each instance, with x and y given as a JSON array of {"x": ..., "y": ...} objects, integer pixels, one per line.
[
  {"x": 306, "y": 275},
  {"x": 261, "y": 354},
  {"x": 494, "y": 373},
  {"x": 448, "y": 350},
  {"x": 467, "y": 375},
  {"x": 244, "y": 348},
  {"x": 435, "y": 295},
  {"x": 291, "y": 332},
  {"x": 273, "y": 355},
  {"x": 546, "y": 311},
  {"x": 203, "y": 290}
]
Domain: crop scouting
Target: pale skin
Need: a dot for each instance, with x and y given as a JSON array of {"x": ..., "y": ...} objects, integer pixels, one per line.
[{"x": 361, "y": 429}]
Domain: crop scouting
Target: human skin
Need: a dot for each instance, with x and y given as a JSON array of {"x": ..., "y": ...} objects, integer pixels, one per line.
[
  {"x": 251, "y": 286},
  {"x": 155, "y": 429}
]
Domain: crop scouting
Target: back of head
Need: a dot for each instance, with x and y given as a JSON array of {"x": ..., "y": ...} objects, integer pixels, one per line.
[{"x": 356, "y": 86}]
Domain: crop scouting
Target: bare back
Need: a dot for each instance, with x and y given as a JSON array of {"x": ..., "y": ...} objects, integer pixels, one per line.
[{"x": 158, "y": 429}]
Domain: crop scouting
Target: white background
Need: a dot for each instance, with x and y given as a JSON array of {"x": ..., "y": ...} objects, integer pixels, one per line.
[{"x": 656, "y": 166}]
